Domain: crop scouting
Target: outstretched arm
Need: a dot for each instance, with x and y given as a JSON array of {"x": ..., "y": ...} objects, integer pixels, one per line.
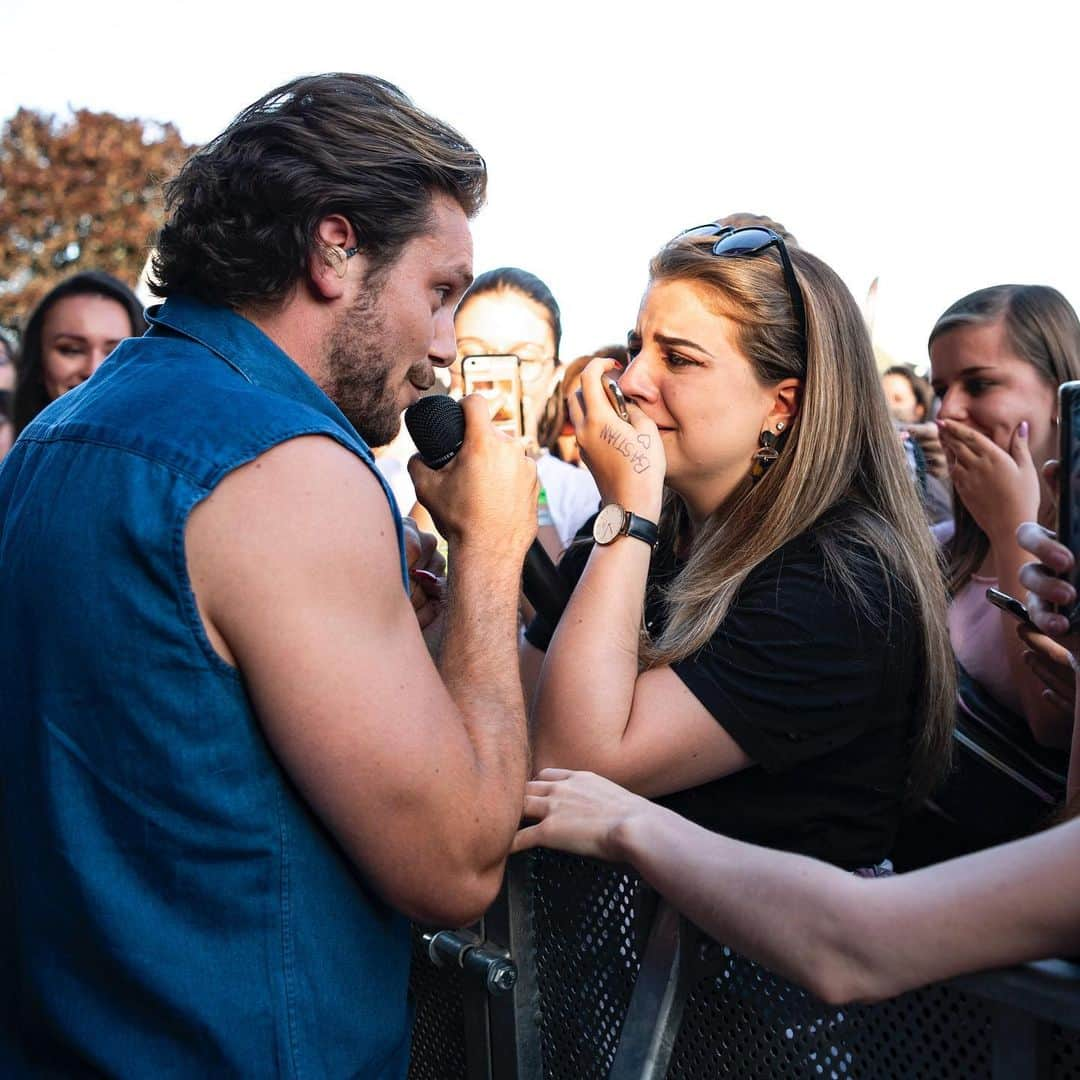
[{"x": 845, "y": 938}]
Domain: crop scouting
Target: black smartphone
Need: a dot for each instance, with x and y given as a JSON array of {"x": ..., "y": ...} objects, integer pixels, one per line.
[
  {"x": 1010, "y": 604},
  {"x": 1069, "y": 483}
]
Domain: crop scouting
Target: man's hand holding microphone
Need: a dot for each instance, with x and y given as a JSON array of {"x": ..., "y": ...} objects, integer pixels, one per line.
[{"x": 485, "y": 493}]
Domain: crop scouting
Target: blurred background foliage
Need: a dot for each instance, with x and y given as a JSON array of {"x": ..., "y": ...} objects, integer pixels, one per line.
[{"x": 79, "y": 193}]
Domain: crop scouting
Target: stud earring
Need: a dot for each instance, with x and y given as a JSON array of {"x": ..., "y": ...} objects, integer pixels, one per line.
[
  {"x": 779, "y": 426},
  {"x": 765, "y": 455}
]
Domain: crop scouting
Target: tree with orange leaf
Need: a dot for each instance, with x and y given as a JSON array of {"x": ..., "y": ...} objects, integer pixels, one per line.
[{"x": 83, "y": 193}]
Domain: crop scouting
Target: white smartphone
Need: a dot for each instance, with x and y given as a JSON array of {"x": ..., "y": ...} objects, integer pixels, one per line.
[{"x": 498, "y": 379}]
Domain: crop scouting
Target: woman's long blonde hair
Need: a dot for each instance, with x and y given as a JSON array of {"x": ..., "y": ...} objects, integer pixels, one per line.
[
  {"x": 1041, "y": 328},
  {"x": 841, "y": 448}
]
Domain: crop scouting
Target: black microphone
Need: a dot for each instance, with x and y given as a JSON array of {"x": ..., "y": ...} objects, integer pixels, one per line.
[{"x": 437, "y": 426}]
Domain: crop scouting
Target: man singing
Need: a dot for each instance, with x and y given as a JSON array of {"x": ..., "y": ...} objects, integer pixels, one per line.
[{"x": 228, "y": 766}]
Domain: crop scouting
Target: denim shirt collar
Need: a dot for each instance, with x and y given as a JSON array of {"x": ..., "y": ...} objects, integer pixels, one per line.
[{"x": 246, "y": 349}]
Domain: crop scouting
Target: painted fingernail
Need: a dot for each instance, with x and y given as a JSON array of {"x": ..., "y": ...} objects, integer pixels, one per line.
[{"x": 1023, "y": 429}]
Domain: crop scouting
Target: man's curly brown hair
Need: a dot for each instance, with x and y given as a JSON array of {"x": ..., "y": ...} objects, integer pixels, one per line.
[{"x": 243, "y": 211}]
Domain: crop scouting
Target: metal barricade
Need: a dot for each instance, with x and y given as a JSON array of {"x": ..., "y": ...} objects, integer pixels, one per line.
[{"x": 610, "y": 983}]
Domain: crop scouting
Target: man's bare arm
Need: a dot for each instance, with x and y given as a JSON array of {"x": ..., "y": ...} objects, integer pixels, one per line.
[{"x": 295, "y": 568}]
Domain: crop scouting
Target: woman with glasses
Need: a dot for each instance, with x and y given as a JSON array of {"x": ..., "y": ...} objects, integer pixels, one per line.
[
  {"x": 509, "y": 311},
  {"x": 758, "y": 632}
]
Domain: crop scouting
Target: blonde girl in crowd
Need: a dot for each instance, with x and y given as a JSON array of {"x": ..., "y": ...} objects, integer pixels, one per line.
[{"x": 757, "y": 635}]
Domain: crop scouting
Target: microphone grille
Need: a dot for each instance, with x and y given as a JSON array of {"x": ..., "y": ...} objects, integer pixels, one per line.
[{"x": 437, "y": 426}]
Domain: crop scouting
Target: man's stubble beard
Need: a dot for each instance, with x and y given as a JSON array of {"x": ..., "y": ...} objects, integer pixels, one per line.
[{"x": 359, "y": 364}]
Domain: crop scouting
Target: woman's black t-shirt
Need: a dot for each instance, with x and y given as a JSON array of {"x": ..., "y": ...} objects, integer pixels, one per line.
[{"x": 816, "y": 689}]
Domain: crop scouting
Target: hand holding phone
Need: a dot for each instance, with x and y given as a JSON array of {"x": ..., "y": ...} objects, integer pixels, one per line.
[
  {"x": 617, "y": 398},
  {"x": 1010, "y": 605}
]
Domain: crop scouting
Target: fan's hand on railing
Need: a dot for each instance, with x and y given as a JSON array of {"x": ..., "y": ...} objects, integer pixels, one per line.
[{"x": 578, "y": 812}]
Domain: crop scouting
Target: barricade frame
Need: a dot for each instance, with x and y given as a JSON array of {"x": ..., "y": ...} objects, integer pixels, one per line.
[{"x": 1028, "y": 1016}]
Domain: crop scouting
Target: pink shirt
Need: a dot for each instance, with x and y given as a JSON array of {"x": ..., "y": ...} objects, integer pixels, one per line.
[{"x": 977, "y": 633}]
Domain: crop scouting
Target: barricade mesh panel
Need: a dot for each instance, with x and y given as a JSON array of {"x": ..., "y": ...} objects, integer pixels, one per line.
[
  {"x": 1065, "y": 1053},
  {"x": 592, "y": 921},
  {"x": 438, "y": 1045},
  {"x": 749, "y": 1023},
  {"x": 591, "y": 924}
]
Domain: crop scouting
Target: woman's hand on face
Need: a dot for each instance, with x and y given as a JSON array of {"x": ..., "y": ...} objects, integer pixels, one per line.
[
  {"x": 578, "y": 812},
  {"x": 626, "y": 460},
  {"x": 1000, "y": 488}
]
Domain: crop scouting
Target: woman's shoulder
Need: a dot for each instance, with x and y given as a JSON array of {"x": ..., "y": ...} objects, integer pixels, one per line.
[
  {"x": 834, "y": 563},
  {"x": 822, "y": 613},
  {"x": 809, "y": 548}
]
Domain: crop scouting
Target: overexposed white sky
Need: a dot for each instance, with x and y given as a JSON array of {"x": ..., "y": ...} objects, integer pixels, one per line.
[{"x": 933, "y": 146}]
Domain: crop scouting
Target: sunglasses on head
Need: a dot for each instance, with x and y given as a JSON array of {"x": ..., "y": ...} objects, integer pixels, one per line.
[{"x": 752, "y": 240}]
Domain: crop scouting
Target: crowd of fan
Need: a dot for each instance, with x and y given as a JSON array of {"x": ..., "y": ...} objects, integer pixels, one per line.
[
  {"x": 975, "y": 439},
  {"x": 997, "y": 356}
]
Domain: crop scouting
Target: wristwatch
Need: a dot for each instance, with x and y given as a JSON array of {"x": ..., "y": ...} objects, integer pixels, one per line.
[{"x": 614, "y": 521}]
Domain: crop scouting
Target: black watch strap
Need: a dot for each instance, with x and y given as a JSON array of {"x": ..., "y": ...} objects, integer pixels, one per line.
[{"x": 641, "y": 528}]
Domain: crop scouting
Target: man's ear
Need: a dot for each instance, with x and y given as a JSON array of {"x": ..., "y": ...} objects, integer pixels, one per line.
[
  {"x": 331, "y": 255},
  {"x": 787, "y": 397}
]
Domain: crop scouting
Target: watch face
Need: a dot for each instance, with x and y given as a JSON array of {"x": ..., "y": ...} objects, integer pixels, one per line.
[{"x": 608, "y": 524}]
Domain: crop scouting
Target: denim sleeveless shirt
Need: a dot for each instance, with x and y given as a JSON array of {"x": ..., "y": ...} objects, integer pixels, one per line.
[{"x": 169, "y": 906}]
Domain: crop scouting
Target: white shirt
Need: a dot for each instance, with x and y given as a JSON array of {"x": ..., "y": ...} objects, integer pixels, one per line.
[{"x": 572, "y": 495}]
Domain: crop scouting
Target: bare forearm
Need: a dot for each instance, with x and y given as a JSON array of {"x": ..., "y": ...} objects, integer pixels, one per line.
[
  {"x": 479, "y": 667},
  {"x": 782, "y": 910},
  {"x": 848, "y": 938},
  {"x": 591, "y": 665}
]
